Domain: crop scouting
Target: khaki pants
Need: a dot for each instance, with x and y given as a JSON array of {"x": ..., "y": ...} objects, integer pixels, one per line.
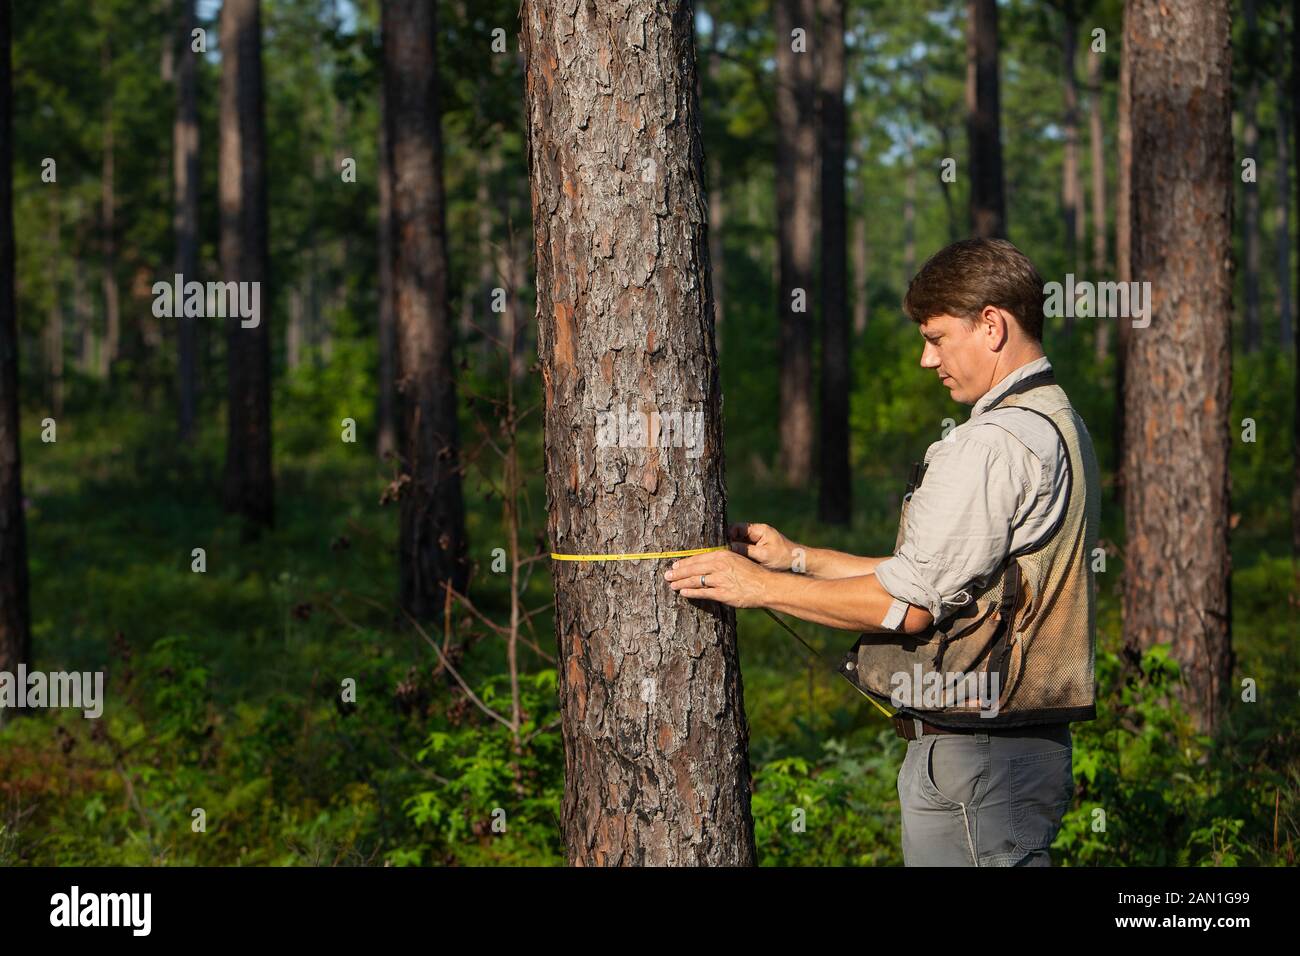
[{"x": 983, "y": 799}]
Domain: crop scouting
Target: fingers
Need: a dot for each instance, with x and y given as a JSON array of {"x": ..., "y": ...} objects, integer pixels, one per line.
[{"x": 744, "y": 531}]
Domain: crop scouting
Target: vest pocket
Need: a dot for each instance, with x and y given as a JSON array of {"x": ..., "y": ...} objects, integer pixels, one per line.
[{"x": 1042, "y": 786}]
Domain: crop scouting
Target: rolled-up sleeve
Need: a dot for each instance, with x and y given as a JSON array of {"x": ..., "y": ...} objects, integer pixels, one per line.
[{"x": 959, "y": 526}]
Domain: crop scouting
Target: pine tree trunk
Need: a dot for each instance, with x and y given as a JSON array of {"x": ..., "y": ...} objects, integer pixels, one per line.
[
  {"x": 15, "y": 615},
  {"x": 861, "y": 262},
  {"x": 1123, "y": 246},
  {"x": 988, "y": 210},
  {"x": 835, "y": 500},
  {"x": 796, "y": 198},
  {"x": 242, "y": 193},
  {"x": 433, "y": 546},
  {"x": 387, "y": 385},
  {"x": 1250, "y": 207},
  {"x": 1071, "y": 203},
  {"x": 1176, "y": 575},
  {"x": 656, "y": 742},
  {"x": 185, "y": 214}
]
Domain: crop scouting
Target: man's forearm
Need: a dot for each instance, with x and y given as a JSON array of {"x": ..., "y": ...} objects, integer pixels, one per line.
[
  {"x": 856, "y": 603},
  {"x": 829, "y": 564}
]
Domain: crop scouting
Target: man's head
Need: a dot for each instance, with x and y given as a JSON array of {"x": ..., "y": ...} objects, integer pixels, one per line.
[{"x": 979, "y": 305}]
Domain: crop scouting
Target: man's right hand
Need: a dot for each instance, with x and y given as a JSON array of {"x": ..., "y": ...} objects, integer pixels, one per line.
[{"x": 764, "y": 544}]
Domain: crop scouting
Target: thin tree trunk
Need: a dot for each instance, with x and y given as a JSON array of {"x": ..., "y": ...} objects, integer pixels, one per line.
[
  {"x": 433, "y": 547},
  {"x": 185, "y": 213},
  {"x": 387, "y": 404},
  {"x": 242, "y": 193},
  {"x": 1123, "y": 246},
  {"x": 1250, "y": 240},
  {"x": 1097, "y": 143},
  {"x": 108, "y": 207},
  {"x": 1282, "y": 216},
  {"x": 54, "y": 333},
  {"x": 909, "y": 218},
  {"x": 295, "y": 331},
  {"x": 796, "y": 198},
  {"x": 835, "y": 500},
  {"x": 656, "y": 742},
  {"x": 1295, "y": 435},
  {"x": 861, "y": 262},
  {"x": 1179, "y": 383},
  {"x": 988, "y": 210},
  {"x": 15, "y": 614},
  {"x": 1071, "y": 198}
]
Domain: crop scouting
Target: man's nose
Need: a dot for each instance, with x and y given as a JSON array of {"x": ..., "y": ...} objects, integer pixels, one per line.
[{"x": 928, "y": 357}]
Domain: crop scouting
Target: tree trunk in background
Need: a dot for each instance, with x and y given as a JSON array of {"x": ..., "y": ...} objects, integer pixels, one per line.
[
  {"x": 988, "y": 209},
  {"x": 108, "y": 209},
  {"x": 15, "y": 614},
  {"x": 248, "y": 488},
  {"x": 1097, "y": 142},
  {"x": 1179, "y": 382},
  {"x": 295, "y": 330},
  {"x": 481, "y": 299},
  {"x": 656, "y": 742},
  {"x": 1282, "y": 216},
  {"x": 1250, "y": 208},
  {"x": 835, "y": 500},
  {"x": 1295, "y": 436},
  {"x": 1123, "y": 244},
  {"x": 861, "y": 263},
  {"x": 386, "y": 411},
  {"x": 433, "y": 546},
  {"x": 717, "y": 255},
  {"x": 796, "y": 199},
  {"x": 909, "y": 219},
  {"x": 185, "y": 212},
  {"x": 54, "y": 330},
  {"x": 1071, "y": 200}
]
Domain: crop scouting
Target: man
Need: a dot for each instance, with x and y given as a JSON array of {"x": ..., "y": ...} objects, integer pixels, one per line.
[{"x": 989, "y": 595}]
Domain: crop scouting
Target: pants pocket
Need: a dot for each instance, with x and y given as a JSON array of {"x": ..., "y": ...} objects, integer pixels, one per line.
[{"x": 1042, "y": 786}]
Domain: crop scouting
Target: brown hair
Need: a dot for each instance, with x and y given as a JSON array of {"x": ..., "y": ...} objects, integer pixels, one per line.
[{"x": 962, "y": 278}]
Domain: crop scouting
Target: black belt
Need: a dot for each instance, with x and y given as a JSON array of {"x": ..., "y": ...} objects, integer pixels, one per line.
[{"x": 905, "y": 727}]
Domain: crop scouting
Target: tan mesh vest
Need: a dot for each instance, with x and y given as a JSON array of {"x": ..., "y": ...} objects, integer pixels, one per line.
[{"x": 1042, "y": 667}]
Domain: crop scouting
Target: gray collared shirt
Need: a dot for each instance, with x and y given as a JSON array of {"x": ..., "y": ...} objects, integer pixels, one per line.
[{"x": 995, "y": 484}]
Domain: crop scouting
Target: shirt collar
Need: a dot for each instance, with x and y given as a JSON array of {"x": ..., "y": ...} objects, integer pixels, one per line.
[{"x": 994, "y": 393}]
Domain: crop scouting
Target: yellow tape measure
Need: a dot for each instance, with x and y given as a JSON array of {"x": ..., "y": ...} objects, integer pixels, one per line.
[{"x": 650, "y": 555}]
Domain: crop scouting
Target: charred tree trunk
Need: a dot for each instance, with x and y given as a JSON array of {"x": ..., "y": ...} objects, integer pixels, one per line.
[
  {"x": 988, "y": 207},
  {"x": 796, "y": 198},
  {"x": 1179, "y": 382},
  {"x": 242, "y": 191},
  {"x": 835, "y": 501},
  {"x": 433, "y": 545},
  {"x": 656, "y": 742},
  {"x": 15, "y": 615},
  {"x": 185, "y": 214}
]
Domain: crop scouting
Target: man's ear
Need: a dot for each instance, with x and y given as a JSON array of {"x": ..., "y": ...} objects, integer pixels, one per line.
[{"x": 995, "y": 323}]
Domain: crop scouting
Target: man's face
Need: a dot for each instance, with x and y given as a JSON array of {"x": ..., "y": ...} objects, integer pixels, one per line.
[{"x": 960, "y": 354}]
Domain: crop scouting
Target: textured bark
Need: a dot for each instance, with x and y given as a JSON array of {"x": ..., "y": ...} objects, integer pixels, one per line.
[
  {"x": 988, "y": 208},
  {"x": 1250, "y": 207},
  {"x": 796, "y": 199},
  {"x": 1097, "y": 150},
  {"x": 185, "y": 213},
  {"x": 387, "y": 400},
  {"x": 834, "y": 504},
  {"x": 656, "y": 742},
  {"x": 1176, "y": 575},
  {"x": 242, "y": 193},
  {"x": 433, "y": 546},
  {"x": 717, "y": 257},
  {"x": 15, "y": 616}
]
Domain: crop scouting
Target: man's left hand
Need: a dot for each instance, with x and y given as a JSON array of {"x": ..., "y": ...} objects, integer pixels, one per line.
[{"x": 729, "y": 578}]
